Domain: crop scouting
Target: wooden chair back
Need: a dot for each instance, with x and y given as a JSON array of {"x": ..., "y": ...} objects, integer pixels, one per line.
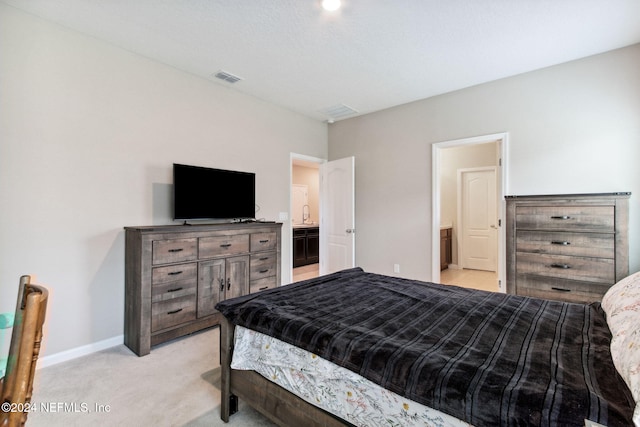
[{"x": 17, "y": 385}]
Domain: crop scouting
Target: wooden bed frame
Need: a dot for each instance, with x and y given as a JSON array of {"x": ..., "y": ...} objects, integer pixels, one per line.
[{"x": 279, "y": 405}]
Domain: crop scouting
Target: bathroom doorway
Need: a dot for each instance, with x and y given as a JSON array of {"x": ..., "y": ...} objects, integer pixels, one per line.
[
  {"x": 305, "y": 218},
  {"x": 449, "y": 159}
]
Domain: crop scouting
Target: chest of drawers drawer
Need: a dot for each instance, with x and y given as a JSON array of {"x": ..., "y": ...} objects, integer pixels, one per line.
[
  {"x": 173, "y": 281},
  {"x": 560, "y": 289},
  {"x": 263, "y": 241},
  {"x": 596, "y": 245},
  {"x": 165, "y": 314},
  {"x": 214, "y": 246},
  {"x": 262, "y": 265},
  {"x": 566, "y": 218},
  {"x": 176, "y": 250},
  {"x": 566, "y": 267},
  {"x": 262, "y": 284}
]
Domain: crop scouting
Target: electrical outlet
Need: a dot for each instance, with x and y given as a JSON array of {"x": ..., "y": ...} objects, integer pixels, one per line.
[
  {"x": 396, "y": 268},
  {"x": 283, "y": 216}
]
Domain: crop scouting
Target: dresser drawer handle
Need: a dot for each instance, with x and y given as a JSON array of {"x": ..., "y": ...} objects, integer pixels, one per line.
[
  {"x": 563, "y": 217},
  {"x": 563, "y": 266},
  {"x": 264, "y": 271},
  {"x": 263, "y": 288},
  {"x": 176, "y": 250},
  {"x": 264, "y": 258},
  {"x": 560, "y": 289},
  {"x": 225, "y": 245},
  {"x": 560, "y": 242},
  {"x": 175, "y": 273},
  {"x": 264, "y": 241},
  {"x": 175, "y": 311},
  {"x": 174, "y": 289}
]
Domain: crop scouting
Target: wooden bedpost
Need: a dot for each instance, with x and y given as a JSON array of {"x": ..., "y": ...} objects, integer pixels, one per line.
[{"x": 229, "y": 402}]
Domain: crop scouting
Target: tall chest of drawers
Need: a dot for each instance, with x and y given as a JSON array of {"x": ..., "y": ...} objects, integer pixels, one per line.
[
  {"x": 567, "y": 247},
  {"x": 175, "y": 275}
]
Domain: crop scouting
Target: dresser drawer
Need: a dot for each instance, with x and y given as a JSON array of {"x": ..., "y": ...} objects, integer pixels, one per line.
[
  {"x": 263, "y": 241},
  {"x": 174, "y": 273},
  {"x": 262, "y": 265},
  {"x": 560, "y": 289},
  {"x": 566, "y": 218},
  {"x": 173, "y": 281},
  {"x": 596, "y": 245},
  {"x": 170, "y": 251},
  {"x": 566, "y": 267},
  {"x": 214, "y": 246},
  {"x": 172, "y": 312},
  {"x": 262, "y": 284}
]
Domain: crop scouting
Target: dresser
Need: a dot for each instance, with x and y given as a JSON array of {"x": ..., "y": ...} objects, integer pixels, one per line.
[
  {"x": 569, "y": 247},
  {"x": 175, "y": 275}
]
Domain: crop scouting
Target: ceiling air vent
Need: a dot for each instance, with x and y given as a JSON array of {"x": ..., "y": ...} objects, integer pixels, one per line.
[
  {"x": 338, "y": 111},
  {"x": 227, "y": 77}
]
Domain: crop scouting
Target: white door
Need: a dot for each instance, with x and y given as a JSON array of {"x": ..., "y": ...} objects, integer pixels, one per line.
[
  {"x": 478, "y": 228},
  {"x": 337, "y": 215}
]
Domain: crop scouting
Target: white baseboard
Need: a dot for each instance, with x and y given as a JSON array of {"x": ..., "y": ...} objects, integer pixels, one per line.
[{"x": 74, "y": 353}]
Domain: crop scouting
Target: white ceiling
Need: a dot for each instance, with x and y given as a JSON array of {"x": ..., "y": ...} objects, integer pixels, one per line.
[{"x": 370, "y": 55}]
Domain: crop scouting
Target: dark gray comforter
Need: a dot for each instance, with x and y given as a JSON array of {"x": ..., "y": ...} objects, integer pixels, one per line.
[{"x": 487, "y": 358}]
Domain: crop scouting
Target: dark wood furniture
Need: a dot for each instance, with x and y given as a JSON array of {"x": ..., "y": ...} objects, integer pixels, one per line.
[
  {"x": 16, "y": 387},
  {"x": 567, "y": 247},
  {"x": 175, "y": 275},
  {"x": 446, "y": 244},
  {"x": 306, "y": 246}
]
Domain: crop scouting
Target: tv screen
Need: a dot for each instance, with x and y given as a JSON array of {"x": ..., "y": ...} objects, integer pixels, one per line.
[{"x": 207, "y": 193}]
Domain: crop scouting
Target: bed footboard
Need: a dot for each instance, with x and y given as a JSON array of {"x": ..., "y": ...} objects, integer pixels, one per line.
[{"x": 279, "y": 405}]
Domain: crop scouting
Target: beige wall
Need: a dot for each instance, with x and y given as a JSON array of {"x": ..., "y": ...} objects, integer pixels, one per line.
[
  {"x": 573, "y": 128},
  {"x": 88, "y": 135}
]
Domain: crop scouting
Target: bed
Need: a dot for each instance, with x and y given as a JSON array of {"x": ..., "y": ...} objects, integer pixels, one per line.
[{"x": 460, "y": 356}]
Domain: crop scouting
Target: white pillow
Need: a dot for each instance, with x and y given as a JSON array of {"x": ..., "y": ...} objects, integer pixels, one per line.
[{"x": 621, "y": 304}]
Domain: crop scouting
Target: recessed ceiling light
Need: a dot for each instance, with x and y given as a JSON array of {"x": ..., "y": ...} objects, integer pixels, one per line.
[{"x": 331, "y": 5}]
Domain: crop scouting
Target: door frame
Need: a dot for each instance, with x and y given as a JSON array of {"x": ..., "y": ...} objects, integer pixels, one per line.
[
  {"x": 501, "y": 178},
  {"x": 312, "y": 161}
]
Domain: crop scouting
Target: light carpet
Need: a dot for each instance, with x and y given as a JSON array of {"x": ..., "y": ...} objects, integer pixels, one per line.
[{"x": 178, "y": 384}]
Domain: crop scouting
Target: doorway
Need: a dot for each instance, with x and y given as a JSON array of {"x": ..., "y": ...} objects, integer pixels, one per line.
[
  {"x": 333, "y": 225},
  {"x": 450, "y": 161},
  {"x": 305, "y": 217}
]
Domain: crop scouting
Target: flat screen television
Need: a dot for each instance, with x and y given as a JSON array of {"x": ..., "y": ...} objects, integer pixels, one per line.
[{"x": 207, "y": 193}]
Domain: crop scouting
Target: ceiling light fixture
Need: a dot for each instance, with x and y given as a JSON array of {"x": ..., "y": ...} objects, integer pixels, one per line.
[{"x": 331, "y": 5}]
